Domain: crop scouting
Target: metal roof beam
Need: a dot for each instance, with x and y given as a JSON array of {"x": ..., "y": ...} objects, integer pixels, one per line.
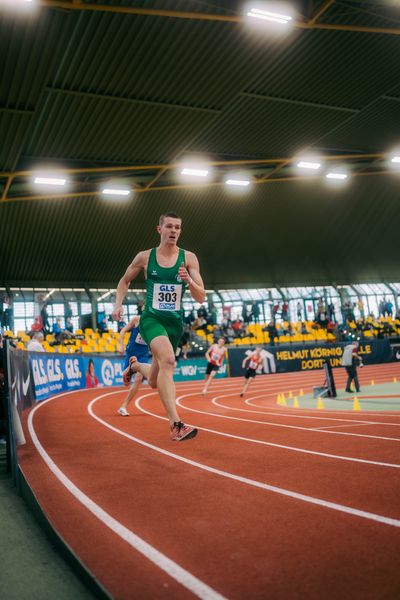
[
  {"x": 17, "y": 111},
  {"x": 320, "y": 11},
  {"x": 187, "y": 186},
  {"x": 129, "y": 100},
  {"x": 130, "y": 10},
  {"x": 298, "y": 102}
]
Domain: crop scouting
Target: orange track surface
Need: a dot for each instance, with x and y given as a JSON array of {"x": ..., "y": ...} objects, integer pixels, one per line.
[{"x": 241, "y": 540}]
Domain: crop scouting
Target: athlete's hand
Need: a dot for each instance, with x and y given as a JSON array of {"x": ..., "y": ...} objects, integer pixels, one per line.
[
  {"x": 121, "y": 349},
  {"x": 118, "y": 313},
  {"x": 183, "y": 274}
]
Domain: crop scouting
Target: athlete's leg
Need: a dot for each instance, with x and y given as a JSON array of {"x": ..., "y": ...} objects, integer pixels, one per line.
[
  {"x": 246, "y": 386},
  {"x": 164, "y": 360},
  {"x": 132, "y": 391},
  {"x": 209, "y": 379},
  {"x": 147, "y": 371}
]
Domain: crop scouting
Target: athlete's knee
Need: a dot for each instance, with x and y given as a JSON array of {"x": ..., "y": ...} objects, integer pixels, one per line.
[{"x": 167, "y": 363}]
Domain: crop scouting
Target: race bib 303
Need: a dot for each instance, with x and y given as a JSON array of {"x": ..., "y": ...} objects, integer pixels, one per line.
[{"x": 167, "y": 296}]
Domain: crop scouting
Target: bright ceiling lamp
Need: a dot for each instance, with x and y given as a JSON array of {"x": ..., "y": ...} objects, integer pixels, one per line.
[
  {"x": 262, "y": 14},
  {"x": 311, "y": 165},
  {"x": 395, "y": 160},
  {"x": 49, "y": 180},
  {"x": 338, "y": 176},
  {"x": 118, "y": 191},
  {"x": 194, "y": 170},
  {"x": 18, "y": 5},
  {"x": 238, "y": 182}
]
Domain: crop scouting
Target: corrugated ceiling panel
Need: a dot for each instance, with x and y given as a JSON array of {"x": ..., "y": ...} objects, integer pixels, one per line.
[
  {"x": 93, "y": 129},
  {"x": 13, "y": 128},
  {"x": 278, "y": 233},
  {"x": 257, "y": 127},
  {"x": 336, "y": 68},
  {"x": 28, "y": 50},
  {"x": 198, "y": 63},
  {"x": 372, "y": 130}
]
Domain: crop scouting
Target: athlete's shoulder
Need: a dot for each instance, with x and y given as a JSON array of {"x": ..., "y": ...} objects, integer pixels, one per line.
[{"x": 191, "y": 258}]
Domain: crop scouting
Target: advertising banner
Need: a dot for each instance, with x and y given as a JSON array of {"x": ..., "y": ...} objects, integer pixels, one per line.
[
  {"x": 190, "y": 370},
  {"x": 305, "y": 357},
  {"x": 53, "y": 374}
]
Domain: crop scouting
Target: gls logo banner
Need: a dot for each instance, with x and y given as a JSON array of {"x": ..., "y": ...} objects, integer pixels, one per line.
[{"x": 52, "y": 375}]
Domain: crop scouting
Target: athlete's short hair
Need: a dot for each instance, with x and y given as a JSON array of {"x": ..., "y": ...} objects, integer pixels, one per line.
[{"x": 169, "y": 214}]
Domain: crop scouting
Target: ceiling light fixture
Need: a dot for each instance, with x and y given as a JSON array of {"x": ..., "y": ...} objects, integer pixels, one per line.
[
  {"x": 194, "y": 172},
  {"x": 238, "y": 182},
  {"x": 110, "y": 191},
  {"x": 337, "y": 175},
  {"x": 44, "y": 180},
  {"x": 305, "y": 164},
  {"x": 267, "y": 15}
]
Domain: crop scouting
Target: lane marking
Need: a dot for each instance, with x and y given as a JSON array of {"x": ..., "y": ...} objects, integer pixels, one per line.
[
  {"x": 251, "y": 482},
  {"x": 302, "y": 412},
  {"x": 260, "y": 412},
  {"x": 275, "y": 445},
  {"x": 186, "y": 579},
  {"x": 211, "y": 414},
  {"x": 337, "y": 426}
]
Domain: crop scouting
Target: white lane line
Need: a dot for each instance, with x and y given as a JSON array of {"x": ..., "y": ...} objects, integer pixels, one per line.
[
  {"x": 337, "y": 426},
  {"x": 260, "y": 412},
  {"x": 282, "y": 446},
  {"x": 302, "y": 413},
  {"x": 258, "y": 484},
  {"x": 281, "y": 425},
  {"x": 280, "y": 414},
  {"x": 186, "y": 579}
]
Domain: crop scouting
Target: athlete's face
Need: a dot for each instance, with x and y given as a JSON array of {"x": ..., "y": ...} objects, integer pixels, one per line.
[
  {"x": 170, "y": 230},
  {"x": 221, "y": 341}
]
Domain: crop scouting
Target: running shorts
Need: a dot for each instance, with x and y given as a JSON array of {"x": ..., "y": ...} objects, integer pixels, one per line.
[
  {"x": 250, "y": 373},
  {"x": 152, "y": 326},
  {"x": 211, "y": 367}
]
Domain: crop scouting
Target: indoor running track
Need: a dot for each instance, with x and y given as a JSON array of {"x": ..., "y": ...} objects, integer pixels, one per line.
[{"x": 267, "y": 502}]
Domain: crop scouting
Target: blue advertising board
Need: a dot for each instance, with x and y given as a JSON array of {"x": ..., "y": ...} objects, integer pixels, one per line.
[{"x": 53, "y": 374}]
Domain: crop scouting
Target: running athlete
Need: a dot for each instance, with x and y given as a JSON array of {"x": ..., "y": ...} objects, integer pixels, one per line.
[
  {"x": 136, "y": 347},
  {"x": 169, "y": 271},
  {"x": 215, "y": 356},
  {"x": 255, "y": 359}
]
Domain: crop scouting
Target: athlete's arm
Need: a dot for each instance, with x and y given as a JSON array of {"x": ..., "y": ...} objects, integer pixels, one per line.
[
  {"x": 131, "y": 325},
  {"x": 207, "y": 354},
  {"x": 245, "y": 361},
  {"x": 138, "y": 264},
  {"x": 191, "y": 275}
]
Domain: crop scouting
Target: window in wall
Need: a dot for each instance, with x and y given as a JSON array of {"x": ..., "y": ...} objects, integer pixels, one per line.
[
  {"x": 86, "y": 308},
  {"x": 23, "y": 316}
]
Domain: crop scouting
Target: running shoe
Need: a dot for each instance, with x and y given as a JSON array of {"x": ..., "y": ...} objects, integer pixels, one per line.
[
  {"x": 181, "y": 432},
  {"x": 123, "y": 412}
]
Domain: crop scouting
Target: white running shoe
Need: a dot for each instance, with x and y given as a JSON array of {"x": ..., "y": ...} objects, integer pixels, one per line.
[{"x": 123, "y": 412}]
